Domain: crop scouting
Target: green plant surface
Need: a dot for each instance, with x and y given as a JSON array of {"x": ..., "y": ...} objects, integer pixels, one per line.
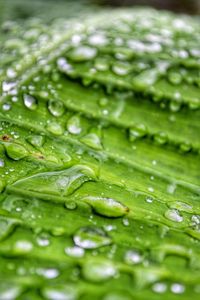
[{"x": 99, "y": 157}]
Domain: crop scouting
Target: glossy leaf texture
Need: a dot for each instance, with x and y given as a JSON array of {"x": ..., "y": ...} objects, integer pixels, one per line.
[{"x": 99, "y": 157}]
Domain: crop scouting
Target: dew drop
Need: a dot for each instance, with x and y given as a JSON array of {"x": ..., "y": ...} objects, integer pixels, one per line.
[
  {"x": 59, "y": 292},
  {"x": 98, "y": 270},
  {"x": 92, "y": 140},
  {"x": 138, "y": 131},
  {"x": 159, "y": 287},
  {"x": 82, "y": 53},
  {"x": 22, "y": 247},
  {"x": 75, "y": 251},
  {"x": 55, "y": 128},
  {"x": 74, "y": 125},
  {"x": 91, "y": 238},
  {"x": 133, "y": 257},
  {"x": 177, "y": 288},
  {"x": 36, "y": 140},
  {"x": 56, "y": 108},
  {"x": 30, "y": 102},
  {"x": 106, "y": 206},
  {"x": 15, "y": 151},
  {"x": 173, "y": 215}
]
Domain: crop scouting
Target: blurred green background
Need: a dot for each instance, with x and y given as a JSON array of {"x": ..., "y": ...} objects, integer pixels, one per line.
[{"x": 50, "y": 9}]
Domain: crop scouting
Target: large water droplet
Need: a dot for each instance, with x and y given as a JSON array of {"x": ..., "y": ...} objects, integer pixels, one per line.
[
  {"x": 56, "y": 108},
  {"x": 106, "y": 206},
  {"x": 173, "y": 215},
  {"x": 15, "y": 151},
  {"x": 91, "y": 238},
  {"x": 30, "y": 102},
  {"x": 58, "y": 183},
  {"x": 98, "y": 270}
]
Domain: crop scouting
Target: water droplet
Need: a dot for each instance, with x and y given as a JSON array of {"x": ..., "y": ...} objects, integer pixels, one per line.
[
  {"x": 43, "y": 240},
  {"x": 82, "y": 53},
  {"x": 59, "y": 292},
  {"x": 22, "y": 247},
  {"x": 15, "y": 151},
  {"x": 7, "y": 225},
  {"x": 159, "y": 287},
  {"x": 98, "y": 270},
  {"x": 181, "y": 206},
  {"x": 10, "y": 292},
  {"x": 48, "y": 273},
  {"x": 56, "y": 108},
  {"x": 71, "y": 205},
  {"x": 106, "y": 206},
  {"x": 185, "y": 147},
  {"x": 91, "y": 238},
  {"x": 58, "y": 183},
  {"x": 175, "y": 105},
  {"x": 138, "y": 131},
  {"x": 174, "y": 77},
  {"x": 133, "y": 257},
  {"x": 75, "y": 251},
  {"x": 177, "y": 288},
  {"x": 121, "y": 69},
  {"x": 97, "y": 39},
  {"x": 73, "y": 125},
  {"x": 2, "y": 163},
  {"x": 92, "y": 140},
  {"x": 173, "y": 215},
  {"x": 101, "y": 64},
  {"x": 103, "y": 102},
  {"x": 161, "y": 138},
  {"x": 118, "y": 295},
  {"x": 8, "y": 86},
  {"x": 36, "y": 140},
  {"x": 30, "y": 102},
  {"x": 64, "y": 66},
  {"x": 6, "y": 106},
  {"x": 55, "y": 128}
]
